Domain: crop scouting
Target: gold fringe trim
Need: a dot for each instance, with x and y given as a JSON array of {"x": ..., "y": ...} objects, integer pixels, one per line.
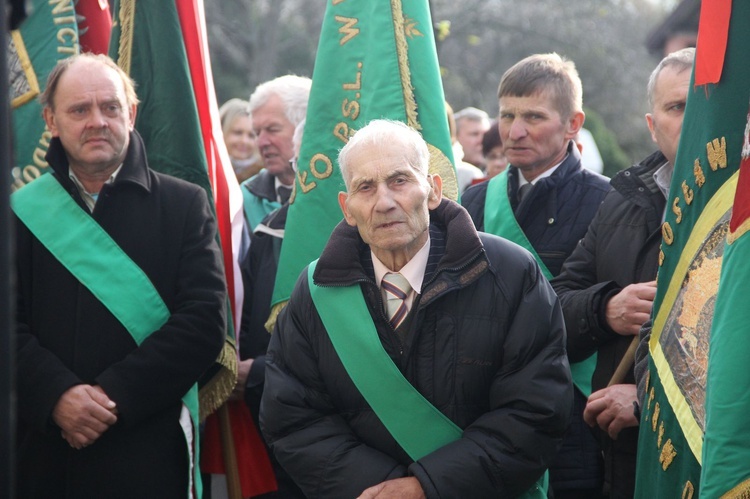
[
  {"x": 733, "y": 236},
  {"x": 402, "y": 50},
  {"x": 127, "y": 20},
  {"x": 741, "y": 491},
  {"x": 28, "y": 70},
  {"x": 218, "y": 389},
  {"x": 275, "y": 311}
]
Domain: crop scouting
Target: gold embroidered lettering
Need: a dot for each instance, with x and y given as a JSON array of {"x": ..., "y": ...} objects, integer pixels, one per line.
[
  {"x": 348, "y": 29},
  {"x": 667, "y": 455},
  {"x": 688, "y": 491},
  {"x": 661, "y": 435},
  {"x": 677, "y": 210},
  {"x": 318, "y": 158},
  {"x": 661, "y": 257},
  {"x": 655, "y": 417},
  {"x": 717, "y": 153},
  {"x": 350, "y": 109},
  {"x": 61, "y": 6},
  {"x": 302, "y": 177},
  {"x": 700, "y": 179},
  {"x": 688, "y": 193},
  {"x": 341, "y": 132},
  {"x": 357, "y": 85},
  {"x": 650, "y": 398},
  {"x": 667, "y": 233}
]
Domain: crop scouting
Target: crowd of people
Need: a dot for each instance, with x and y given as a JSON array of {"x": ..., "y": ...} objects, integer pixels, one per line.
[{"x": 435, "y": 349}]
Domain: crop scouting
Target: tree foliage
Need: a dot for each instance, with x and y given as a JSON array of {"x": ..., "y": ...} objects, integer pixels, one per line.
[{"x": 254, "y": 40}]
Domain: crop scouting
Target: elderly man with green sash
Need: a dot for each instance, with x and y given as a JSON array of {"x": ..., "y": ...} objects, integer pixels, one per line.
[
  {"x": 416, "y": 358},
  {"x": 545, "y": 201},
  {"x": 120, "y": 303}
]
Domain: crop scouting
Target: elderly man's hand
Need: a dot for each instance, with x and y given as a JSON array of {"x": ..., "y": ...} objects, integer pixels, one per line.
[
  {"x": 243, "y": 370},
  {"x": 84, "y": 413},
  {"x": 612, "y": 409},
  {"x": 629, "y": 309},
  {"x": 406, "y": 488}
]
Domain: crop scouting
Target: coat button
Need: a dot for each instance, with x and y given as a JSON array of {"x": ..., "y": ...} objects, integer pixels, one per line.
[
  {"x": 551, "y": 221},
  {"x": 640, "y": 189}
]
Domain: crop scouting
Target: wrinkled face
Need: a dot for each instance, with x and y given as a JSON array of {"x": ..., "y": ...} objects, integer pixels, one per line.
[
  {"x": 470, "y": 135},
  {"x": 495, "y": 161},
  {"x": 91, "y": 116},
  {"x": 389, "y": 201},
  {"x": 665, "y": 120},
  {"x": 240, "y": 138},
  {"x": 534, "y": 135},
  {"x": 274, "y": 134}
]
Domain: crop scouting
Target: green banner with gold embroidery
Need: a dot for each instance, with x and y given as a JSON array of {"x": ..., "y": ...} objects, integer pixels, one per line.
[
  {"x": 726, "y": 448},
  {"x": 375, "y": 60},
  {"x": 49, "y": 34},
  {"x": 699, "y": 207}
]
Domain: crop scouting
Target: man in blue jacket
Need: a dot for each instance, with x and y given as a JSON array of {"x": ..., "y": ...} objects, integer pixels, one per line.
[{"x": 545, "y": 202}]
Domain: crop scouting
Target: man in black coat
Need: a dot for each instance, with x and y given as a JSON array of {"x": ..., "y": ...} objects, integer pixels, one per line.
[
  {"x": 607, "y": 285},
  {"x": 545, "y": 202},
  {"x": 113, "y": 334},
  {"x": 460, "y": 387}
]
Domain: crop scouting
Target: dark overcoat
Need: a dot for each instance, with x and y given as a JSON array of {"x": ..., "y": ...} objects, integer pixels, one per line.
[{"x": 65, "y": 337}]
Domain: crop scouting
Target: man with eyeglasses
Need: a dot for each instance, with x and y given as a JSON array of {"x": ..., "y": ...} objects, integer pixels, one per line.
[{"x": 277, "y": 107}]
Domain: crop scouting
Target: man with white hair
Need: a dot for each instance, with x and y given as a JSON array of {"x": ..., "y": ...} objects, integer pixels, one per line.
[
  {"x": 277, "y": 107},
  {"x": 416, "y": 357}
]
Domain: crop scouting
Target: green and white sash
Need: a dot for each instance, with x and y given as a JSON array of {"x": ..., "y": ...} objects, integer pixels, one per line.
[
  {"x": 88, "y": 252},
  {"x": 417, "y": 425},
  {"x": 255, "y": 207},
  {"x": 500, "y": 220}
]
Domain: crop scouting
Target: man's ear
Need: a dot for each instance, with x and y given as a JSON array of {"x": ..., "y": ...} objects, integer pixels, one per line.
[
  {"x": 133, "y": 111},
  {"x": 49, "y": 119},
  {"x": 575, "y": 123},
  {"x": 650, "y": 123},
  {"x": 436, "y": 191},
  {"x": 343, "y": 196}
]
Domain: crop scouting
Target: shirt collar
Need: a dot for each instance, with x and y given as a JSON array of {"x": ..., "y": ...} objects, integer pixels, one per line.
[
  {"x": 663, "y": 177},
  {"x": 522, "y": 180},
  {"x": 90, "y": 198},
  {"x": 413, "y": 271}
]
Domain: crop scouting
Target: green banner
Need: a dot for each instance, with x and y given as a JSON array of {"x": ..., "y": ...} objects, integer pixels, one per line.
[
  {"x": 698, "y": 209},
  {"x": 726, "y": 449},
  {"x": 147, "y": 43},
  {"x": 48, "y": 35},
  {"x": 375, "y": 60}
]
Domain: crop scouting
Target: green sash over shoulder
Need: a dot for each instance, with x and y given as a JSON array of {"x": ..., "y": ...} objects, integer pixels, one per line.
[
  {"x": 256, "y": 208},
  {"x": 500, "y": 220},
  {"x": 418, "y": 426},
  {"x": 88, "y": 252}
]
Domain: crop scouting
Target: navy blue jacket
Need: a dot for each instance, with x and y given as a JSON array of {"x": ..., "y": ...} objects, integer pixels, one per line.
[{"x": 556, "y": 213}]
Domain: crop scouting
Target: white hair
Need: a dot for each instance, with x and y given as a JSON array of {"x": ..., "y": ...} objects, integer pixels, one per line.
[
  {"x": 293, "y": 90},
  {"x": 382, "y": 133}
]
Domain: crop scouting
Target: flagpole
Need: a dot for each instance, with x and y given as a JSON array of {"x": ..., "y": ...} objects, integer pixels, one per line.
[
  {"x": 7, "y": 408},
  {"x": 234, "y": 489}
]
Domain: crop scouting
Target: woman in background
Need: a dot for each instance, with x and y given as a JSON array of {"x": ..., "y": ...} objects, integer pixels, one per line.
[{"x": 237, "y": 126}]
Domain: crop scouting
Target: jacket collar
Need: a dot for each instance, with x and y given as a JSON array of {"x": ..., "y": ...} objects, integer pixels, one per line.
[
  {"x": 134, "y": 168},
  {"x": 262, "y": 185},
  {"x": 569, "y": 167},
  {"x": 637, "y": 182},
  {"x": 346, "y": 258}
]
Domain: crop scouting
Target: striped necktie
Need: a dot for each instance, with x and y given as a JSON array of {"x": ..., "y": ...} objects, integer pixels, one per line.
[{"x": 396, "y": 288}]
